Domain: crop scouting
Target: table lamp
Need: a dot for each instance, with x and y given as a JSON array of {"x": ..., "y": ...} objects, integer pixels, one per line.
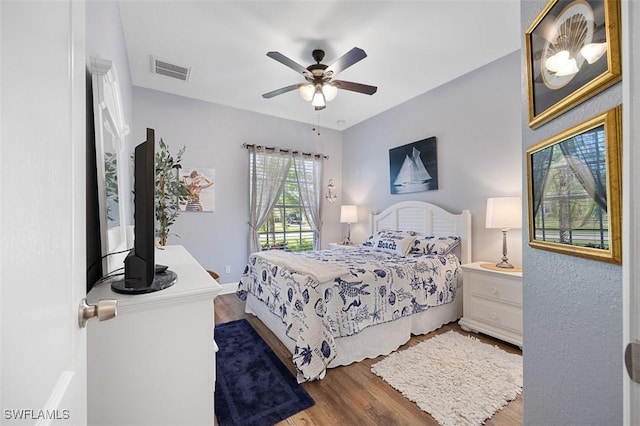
[
  {"x": 348, "y": 215},
  {"x": 504, "y": 213}
]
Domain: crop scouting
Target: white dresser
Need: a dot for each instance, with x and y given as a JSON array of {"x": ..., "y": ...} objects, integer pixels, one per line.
[
  {"x": 492, "y": 302},
  {"x": 154, "y": 363}
]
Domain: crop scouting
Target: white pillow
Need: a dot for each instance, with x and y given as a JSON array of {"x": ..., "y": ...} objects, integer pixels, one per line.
[
  {"x": 387, "y": 233},
  {"x": 394, "y": 242},
  {"x": 434, "y": 245}
]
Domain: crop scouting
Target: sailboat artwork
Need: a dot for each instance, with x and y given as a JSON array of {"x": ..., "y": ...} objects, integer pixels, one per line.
[
  {"x": 412, "y": 174},
  {"x": 412, "y": 171}
]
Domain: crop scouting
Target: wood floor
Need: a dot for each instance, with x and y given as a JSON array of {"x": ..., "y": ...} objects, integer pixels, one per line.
[{"x": 353, "y": 395}]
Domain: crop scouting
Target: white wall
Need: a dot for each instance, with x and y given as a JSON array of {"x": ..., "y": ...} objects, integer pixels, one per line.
[
  {"x": 476, "y": 120},
  {"x": 213, "y": 135},
  {"x": 572, "y": 306}
]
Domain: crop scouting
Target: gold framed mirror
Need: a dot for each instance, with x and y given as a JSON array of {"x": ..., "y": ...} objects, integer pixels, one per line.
[{"x": 574, "y": 190}]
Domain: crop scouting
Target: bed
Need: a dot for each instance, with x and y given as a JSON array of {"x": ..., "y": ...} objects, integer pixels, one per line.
[{"x": 336, "y": 307}]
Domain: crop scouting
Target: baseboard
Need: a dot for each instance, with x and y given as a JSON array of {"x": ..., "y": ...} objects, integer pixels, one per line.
[{"x": 228, "y": 288}]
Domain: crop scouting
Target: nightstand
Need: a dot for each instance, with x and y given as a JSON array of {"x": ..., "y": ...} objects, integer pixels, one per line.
[
  {"x": 492, "y": 302},
  {"x": 334, "y": 246}
]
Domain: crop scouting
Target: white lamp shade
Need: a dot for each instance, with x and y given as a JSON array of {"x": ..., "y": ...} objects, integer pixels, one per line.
[
  {"x": 307, "y": 91},
  {"x": 348, "y": 214},
  {"x": 318, "y": 99},
  {"x": 504, "y": 212},
  {"x": 330, "y": 91}
]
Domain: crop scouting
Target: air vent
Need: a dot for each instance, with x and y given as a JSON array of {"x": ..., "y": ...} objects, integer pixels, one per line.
[{"x": 170, "y": 70}]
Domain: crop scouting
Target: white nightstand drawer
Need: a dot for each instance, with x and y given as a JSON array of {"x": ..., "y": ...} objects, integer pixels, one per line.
[
  {"x": 496, "y": 314},
  {"x": 497, "y": 287},
  {"x": 492, "y": 302}
]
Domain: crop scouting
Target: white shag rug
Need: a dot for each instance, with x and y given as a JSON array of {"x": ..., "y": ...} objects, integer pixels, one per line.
[{"x": 457, "y": 379}]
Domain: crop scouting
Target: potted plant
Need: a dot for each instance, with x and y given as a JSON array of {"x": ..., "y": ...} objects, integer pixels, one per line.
[{"x": 170, "y": 191}]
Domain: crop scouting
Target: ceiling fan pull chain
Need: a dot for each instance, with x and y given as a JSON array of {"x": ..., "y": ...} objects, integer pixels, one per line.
[{"x": 317, "y": 128}]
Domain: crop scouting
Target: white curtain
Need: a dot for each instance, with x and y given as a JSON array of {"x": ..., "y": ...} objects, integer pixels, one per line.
[
  {"x": 309, "y": 176},
  {"x": 267, "y": 173},
  {"x": 586, "y": 154}
]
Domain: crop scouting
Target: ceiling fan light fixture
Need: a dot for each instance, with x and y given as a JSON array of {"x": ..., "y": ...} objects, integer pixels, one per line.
[
  {"x": 318, "y": 99},
  {"x": 307, "y": 91},
  {"x": 329, "y": 91},
  {"x": 319, "y": 89}
]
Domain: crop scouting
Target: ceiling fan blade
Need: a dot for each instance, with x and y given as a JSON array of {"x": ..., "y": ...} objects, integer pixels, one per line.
[
  {"x": 288, "y": 62},
  {"x": 345, "y": 61},
  {"x": 281, "y": 91},
  {"x": 355, "y": 87}
]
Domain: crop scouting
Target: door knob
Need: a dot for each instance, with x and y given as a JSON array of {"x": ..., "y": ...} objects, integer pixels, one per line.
[
  {"x": 632, "y": 361},
  {"x": 103, "y": 310}
]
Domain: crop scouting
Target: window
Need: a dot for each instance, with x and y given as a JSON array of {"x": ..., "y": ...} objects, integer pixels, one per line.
[
  {"x": 284, "y": 199},
  {"x": 287, "y": 226}
]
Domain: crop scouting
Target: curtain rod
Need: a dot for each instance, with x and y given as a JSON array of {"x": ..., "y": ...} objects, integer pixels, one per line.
[{"x": 285, "y": 150}]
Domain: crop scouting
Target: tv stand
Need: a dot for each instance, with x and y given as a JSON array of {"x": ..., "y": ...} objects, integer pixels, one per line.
[
  {"x": 154, "y": 364},
  {"x": 161, "y": 280}
]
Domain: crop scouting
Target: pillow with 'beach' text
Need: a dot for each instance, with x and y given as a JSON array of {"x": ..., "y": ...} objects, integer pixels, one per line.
[{"x": 395, "y": 242}]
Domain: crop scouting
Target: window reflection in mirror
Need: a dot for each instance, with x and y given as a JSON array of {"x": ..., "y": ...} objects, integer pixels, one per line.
[
  {"x": 574, "y": 186},
  {"x": 111, "y": 181}
]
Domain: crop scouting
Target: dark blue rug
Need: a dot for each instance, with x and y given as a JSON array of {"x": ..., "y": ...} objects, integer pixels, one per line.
[{"x": 253, "y": 387}]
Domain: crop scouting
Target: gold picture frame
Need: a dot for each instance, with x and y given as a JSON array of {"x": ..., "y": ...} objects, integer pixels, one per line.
[
  {"x": 574, "y": 190},
  {"x": 573, "y": 53}
]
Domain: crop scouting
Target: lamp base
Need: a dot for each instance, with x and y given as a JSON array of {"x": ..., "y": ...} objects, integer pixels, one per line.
[
  {"x": 504, "y": 263},
  {"x": 493, "y": 267},
  {"x": 347, "y": 239}
]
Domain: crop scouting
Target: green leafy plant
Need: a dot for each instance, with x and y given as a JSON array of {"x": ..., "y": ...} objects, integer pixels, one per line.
[{"x": 170, "y": 191}]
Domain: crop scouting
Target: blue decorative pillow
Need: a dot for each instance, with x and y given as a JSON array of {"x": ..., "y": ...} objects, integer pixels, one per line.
[
  {"x": 395, "y": 242},
  {"x": 434, "y": 245}
]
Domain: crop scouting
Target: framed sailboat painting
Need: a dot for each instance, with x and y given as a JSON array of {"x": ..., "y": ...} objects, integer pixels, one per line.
[{"x": 414, "y": 167}]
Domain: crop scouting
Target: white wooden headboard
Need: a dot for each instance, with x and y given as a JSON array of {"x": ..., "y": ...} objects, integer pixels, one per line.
[{"x": 426, "y": 219}]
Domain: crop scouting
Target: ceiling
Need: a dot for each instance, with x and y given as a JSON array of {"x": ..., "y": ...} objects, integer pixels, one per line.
[{"x": 412, "y": 47}]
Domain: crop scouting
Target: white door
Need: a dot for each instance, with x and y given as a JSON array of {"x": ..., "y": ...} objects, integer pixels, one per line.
[
  {"x": 42, "y": 215},
  {"x": 631, "y": 197}
]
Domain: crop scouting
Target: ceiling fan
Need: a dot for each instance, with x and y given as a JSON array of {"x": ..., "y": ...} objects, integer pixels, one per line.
[{"x": 319, "y": 87}]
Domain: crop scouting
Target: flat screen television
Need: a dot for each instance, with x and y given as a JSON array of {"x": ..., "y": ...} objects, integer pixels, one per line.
[
  {"x": 93, "y": 232},
  {"x": 141, "y": 274}
]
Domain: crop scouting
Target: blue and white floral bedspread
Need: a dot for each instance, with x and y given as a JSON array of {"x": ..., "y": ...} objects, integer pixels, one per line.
[{"x": 378, "y": 287}]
